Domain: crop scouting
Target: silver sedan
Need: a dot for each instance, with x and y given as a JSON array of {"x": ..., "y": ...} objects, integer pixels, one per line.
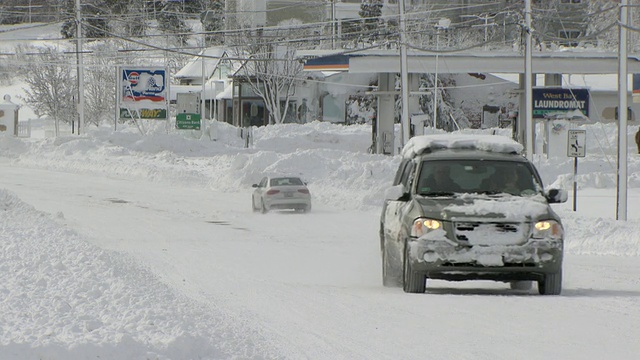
[{"x": 287, "y": 192}]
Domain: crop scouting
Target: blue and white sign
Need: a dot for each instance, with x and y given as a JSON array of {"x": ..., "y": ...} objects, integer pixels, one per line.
[
  {"x": 144, "y": 92},
  {"x": 553, "y": 102}
]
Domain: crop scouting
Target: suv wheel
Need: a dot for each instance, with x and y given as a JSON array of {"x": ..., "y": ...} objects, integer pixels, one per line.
[
  {"x": 551, "y": 284},
  {"x": 412, "y": 282},
  {"x": 391, "y": 272}
]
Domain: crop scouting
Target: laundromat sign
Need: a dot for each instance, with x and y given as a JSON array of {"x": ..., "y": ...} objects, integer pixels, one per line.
[{"x": 554, "y": 101}]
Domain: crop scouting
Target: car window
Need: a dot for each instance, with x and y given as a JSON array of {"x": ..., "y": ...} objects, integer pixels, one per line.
[
  {"x": 401, "y": 171},
  {"x": 285, "y": 181},
  {"x": 263, "y": 182},
  {"x": 477, "y": 176},
  {"x": 407, "y": 175},
  {"x": 295, "y": 181}
]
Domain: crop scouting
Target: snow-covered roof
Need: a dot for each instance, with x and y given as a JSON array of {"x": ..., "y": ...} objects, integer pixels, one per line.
[
  {"x": 193, "y": 69},
  {"x": 493, "y": 143},
  {"x": 594, "y": 82},
  {"x": 174, "y": 90}
]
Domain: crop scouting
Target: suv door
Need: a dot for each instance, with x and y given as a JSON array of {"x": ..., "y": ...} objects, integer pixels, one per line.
[{"x": 392, "y": 211}]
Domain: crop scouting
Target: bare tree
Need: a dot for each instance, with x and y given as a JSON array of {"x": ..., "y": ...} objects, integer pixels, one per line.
[
  {"x": 100, "y": 85},
  {"x": 603, "y": 25},
  {"x": 271, "y": 69},
  {"x": 51, "y": 83}
]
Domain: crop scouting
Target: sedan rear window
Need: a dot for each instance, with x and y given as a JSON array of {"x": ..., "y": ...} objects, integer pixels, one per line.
[{"x": 285, "y": 181}]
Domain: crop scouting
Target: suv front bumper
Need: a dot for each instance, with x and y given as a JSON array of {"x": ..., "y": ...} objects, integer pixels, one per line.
[{"x": 446, "y": 260}]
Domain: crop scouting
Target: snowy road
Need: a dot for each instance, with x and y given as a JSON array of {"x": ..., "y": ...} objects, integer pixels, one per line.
[{"x": 310, "y": 283}]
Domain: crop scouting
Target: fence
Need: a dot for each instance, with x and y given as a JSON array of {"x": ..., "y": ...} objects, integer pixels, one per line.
[{"x": 24, "y": 129}]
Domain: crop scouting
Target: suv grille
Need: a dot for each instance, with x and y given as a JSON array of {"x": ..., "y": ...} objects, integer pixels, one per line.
[{"x": 475, "y": 233}]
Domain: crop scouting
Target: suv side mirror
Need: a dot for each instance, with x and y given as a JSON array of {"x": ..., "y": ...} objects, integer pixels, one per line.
[
  {"x": 394, "y": 192},
  {"x": 556, "y": 196}
]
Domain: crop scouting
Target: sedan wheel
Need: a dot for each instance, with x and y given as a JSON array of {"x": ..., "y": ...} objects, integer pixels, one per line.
[{"x": 263, "y": 208}]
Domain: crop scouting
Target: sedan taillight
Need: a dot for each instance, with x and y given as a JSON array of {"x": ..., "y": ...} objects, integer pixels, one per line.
[
  {"x": 272, "y": 192},
  {"x": 304, "y": 191}
]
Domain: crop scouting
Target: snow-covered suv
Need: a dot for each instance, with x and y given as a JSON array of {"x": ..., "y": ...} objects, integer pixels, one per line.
[{"x": 466, "y": 207}]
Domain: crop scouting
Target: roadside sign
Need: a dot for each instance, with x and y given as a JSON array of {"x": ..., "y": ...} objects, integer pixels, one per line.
[
  {"x": 576, "y": 146},
  {"x": 636, "y": 88},
  {"x": 556, "y": 101},
  {"x": 186, "y": 121}
]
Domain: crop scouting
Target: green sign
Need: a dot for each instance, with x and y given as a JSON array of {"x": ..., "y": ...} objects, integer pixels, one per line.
[{"x": 188, "y": 121}]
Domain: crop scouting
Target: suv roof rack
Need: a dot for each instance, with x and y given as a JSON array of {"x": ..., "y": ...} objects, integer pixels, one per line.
[{"x": 425, "y": 144}]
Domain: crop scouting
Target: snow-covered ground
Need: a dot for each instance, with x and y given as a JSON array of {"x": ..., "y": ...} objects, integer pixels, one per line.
[{"x": 119, "y": 246}]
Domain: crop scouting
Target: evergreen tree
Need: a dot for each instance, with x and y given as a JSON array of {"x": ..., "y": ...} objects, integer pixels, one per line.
[
  {"x": 170, "y": 22},
  {"x": 131, "y": 20},
  {"x": 212, "y": 19},
  {"x": 370, "y": 12},
  {"x": 95, "y": 22}
]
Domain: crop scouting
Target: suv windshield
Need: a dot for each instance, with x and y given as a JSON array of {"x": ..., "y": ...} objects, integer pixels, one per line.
[{"x": 446, "y": 177}]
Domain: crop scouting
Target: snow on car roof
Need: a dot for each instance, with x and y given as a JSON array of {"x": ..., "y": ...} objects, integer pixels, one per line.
[{"x": 493, "y": 143}]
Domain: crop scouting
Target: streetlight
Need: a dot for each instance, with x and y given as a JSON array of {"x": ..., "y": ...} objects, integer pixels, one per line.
[{"x": 443, "y": 24}]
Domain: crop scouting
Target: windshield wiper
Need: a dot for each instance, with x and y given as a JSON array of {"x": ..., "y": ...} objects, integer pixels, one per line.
[
  {"x": 490, "y": 192},
  {"x": 438, "y": 193}
]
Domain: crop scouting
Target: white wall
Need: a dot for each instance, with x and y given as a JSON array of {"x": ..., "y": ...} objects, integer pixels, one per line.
[{"x": 602, "y": 107}]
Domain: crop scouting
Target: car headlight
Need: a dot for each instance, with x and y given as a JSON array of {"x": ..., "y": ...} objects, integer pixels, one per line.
[
  {"x": 547, "y": 229},
  {"x": 422, "y": 226}
]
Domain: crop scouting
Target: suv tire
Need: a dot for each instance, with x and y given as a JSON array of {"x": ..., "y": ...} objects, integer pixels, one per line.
[
  {"x": 551, "y": 284},
  {"x": 391, "y": 273},
  {"x": 412, "y": 282}
]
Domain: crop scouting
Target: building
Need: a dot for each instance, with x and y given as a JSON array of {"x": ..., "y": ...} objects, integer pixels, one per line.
[
  {"x": 209, "y": 75},
  {"x": 263, "y": 13}
]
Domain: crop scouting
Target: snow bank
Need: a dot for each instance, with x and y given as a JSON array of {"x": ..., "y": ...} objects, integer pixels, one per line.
[{"x": 63, "y": 298}]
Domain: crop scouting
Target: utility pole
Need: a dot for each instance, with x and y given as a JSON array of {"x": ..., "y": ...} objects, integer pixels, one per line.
[
  {"x": 435, "y": 82},
  {"x": 443, "y": 24},
  {"x": 404, "y": 78},
  {"x": 80, "y": 67},
  {"x": 204, "y": 82},
  {"x": 333, "y": 24},
  {"x": 621, "y": 209},
  {"x": 528, "y": 84}
]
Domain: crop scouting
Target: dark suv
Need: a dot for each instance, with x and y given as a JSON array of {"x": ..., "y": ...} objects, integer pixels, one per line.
[{"x": 467, "y": 207}]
